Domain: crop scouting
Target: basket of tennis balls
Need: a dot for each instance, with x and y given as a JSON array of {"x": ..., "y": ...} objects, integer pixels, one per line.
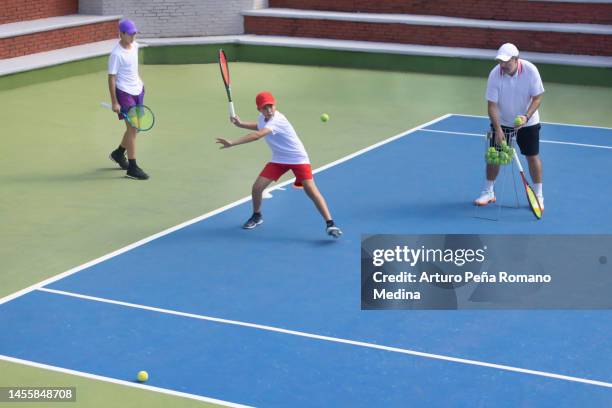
[{"x": 499, "y": 155}]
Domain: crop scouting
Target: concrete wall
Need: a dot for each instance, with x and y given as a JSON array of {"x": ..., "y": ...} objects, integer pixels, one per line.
[{"x": 177, "y": 18}]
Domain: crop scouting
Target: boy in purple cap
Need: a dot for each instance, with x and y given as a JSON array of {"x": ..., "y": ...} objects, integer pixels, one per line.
[{"x": 126, "y": 90}]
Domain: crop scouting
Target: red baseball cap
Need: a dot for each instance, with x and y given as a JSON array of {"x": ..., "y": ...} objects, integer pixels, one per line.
[{"x": 264, "y": 98}]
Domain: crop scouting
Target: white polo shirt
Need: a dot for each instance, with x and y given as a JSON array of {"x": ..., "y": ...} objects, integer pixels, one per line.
[
  {"x": 286, "y": 146},
  {"x": 124, "y": 64},
  {"x": 513, "y": 94}
]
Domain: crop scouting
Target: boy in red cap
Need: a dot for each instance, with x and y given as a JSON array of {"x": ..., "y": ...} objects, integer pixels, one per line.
[{"x": 288, "y": 153}]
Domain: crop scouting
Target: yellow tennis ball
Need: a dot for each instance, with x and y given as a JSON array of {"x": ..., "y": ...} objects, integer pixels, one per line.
[
  {"x": 142, "y": 376},
  {"x": 518, "y": 121},
  {"x": 324, "y": 117}
]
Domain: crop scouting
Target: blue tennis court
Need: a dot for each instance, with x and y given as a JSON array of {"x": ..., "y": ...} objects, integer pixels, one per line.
[{"x": 271, "y": 316}]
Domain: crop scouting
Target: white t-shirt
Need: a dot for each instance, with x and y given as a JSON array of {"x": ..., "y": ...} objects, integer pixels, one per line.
[
  {"x": 124, "y": 64},
  {"x": 513, "y": 94},
  {"x": 286, "y": 146}
]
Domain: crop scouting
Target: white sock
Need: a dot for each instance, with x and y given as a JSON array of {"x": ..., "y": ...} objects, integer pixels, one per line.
[
  {"x": 489, "y": 185},
  {"x": 537, "y": 188}
]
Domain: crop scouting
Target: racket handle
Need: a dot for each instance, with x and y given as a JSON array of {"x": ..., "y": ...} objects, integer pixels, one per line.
[
  {"x": 110, "y": 107},
  {"x": 518, "y": 162},
  {"x": 232, "y": 111}
]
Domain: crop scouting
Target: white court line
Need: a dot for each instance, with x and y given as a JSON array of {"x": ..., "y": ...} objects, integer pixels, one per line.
[
  {"x": 203, "y": 217},
  {"x": 334, "y": 339},
  {"x": 121, "y": 382},
  {"x": 548, "y": 123},
  {"x": 541, "y": 141}
]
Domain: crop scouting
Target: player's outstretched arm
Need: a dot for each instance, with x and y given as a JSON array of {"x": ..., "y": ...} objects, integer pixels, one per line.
[{"x": 251, "y": 137}]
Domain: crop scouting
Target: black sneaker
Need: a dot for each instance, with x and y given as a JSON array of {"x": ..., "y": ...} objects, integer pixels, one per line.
[
  {"x": 334, "y": 231},
  {"x": 119, "y": 158},
  {"x": 136, "y": 173},
  {"x": 254, "y": 221}
]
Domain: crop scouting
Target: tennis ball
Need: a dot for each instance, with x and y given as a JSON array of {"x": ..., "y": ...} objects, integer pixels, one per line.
[
  {"x": 518, "y": 121},
  {"x": 142, "y": 376},
  {"x": 324, "y": 117}
]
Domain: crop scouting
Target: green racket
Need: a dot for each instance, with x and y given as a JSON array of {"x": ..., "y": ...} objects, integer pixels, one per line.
[{"x": 139, "y": 116}]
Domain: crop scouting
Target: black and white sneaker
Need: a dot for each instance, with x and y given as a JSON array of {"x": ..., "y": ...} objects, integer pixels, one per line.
[
  {"x": 334, "y": 231},
  {"x": 119, "y": 158},
  {"x": 254, "y": 221},
  {"x": 136, "y": 173}
]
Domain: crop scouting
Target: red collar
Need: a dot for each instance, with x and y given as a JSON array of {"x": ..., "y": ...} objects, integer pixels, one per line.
[{"x": 519, "y": 70}]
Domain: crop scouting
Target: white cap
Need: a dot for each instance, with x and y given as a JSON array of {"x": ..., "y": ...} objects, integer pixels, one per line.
[{"x": 506, "y": 52}]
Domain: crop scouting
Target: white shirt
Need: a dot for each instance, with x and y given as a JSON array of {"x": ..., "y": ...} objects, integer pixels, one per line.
[
  {"x": 513, "y": 94},
  {"x": 124, "y": 64},
  {"x": 286, "y": 146}
]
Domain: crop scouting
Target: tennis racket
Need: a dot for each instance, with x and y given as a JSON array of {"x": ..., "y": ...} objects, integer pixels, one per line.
[
  {"x": 226, "y": 81},
  {"x": 139, "y": 116},
  {"x": 532, "y": 199}
]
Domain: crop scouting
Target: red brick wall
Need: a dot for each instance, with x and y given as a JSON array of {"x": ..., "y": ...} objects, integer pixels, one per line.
[
  {"x": 21, "y": 10},
  {"x": 51, "y": 40},
  {"x": 564, "y": 43},
  {"x": 509, "y": 10}
]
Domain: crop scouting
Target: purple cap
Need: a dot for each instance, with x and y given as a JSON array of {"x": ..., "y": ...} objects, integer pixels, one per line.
[{"x": 128, "y": 26}]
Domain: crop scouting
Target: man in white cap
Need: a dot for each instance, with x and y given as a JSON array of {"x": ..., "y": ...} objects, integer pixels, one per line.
[{"x": 514, "y": 91}]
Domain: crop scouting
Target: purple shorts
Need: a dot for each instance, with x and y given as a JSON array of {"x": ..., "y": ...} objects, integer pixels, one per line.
[{"x": 127, "y": 100}]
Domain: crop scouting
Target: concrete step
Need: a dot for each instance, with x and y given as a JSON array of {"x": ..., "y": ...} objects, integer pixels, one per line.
[
  {"x": 589, "y": 12},
  {"x": 580, "y": 39}
]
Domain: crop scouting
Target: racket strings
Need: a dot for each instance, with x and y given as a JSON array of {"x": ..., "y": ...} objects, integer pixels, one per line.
[
  {"x": 534, "y": 203},
  {"x": 141, "y": 117},
  {"x": 224, "y": 68}
]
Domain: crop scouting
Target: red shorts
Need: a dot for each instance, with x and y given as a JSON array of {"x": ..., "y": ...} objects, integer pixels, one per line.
[{"x": 273, "y": 171}]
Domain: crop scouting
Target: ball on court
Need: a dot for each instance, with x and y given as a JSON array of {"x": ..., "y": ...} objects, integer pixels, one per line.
[
  {"x": 142, "y": 376},
  {"x": 324, "y": 117},
  {"x": 518, "y": 121}
]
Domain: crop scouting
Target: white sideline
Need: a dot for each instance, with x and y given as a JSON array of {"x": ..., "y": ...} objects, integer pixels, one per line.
[
  {"x": 541, "y": 141},
  {"x": 121, "y": 382},
  {"x": 548, "y": 123}
]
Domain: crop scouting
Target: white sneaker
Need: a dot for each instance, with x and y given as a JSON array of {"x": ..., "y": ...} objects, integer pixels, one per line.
[
  {"x": 333, "y": 231},
  {"x": 541, "y": 201},
  {"x": 485, "y": 198}
]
